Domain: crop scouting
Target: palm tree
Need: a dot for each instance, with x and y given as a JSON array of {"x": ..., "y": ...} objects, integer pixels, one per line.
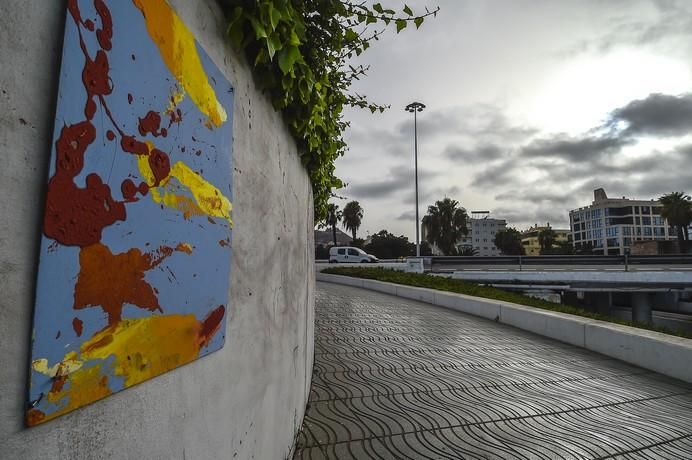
[
  {"x": 677, "y": 209},
  {"x": 445, "y": 224},
  {"x": 546, "y": 238},
  {"x": 352, "y": 217},
  {"x": 468, "y": 251},
  {"x": 508, "y": 241},
  {"x": 333, "y": 218}
]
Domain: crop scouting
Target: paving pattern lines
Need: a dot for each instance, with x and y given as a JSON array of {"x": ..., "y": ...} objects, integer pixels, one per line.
[{"x": 396, "y": 379}]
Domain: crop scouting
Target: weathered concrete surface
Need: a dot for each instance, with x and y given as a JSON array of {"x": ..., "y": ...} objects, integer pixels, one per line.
[{"x": 246, "y": 399}]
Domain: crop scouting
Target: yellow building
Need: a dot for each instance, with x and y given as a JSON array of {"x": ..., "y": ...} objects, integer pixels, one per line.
[{"x": 529, "y": 239}]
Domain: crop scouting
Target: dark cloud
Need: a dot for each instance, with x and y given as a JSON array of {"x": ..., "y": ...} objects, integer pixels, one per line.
[
  {"x": 428, "y": 193},
  {"x": 544, "y": 197},
  {"x": 400, "y": 179},
  {"x": 669, "y": 24},
  {"x": 523, "y": 218},
  {"x": 483, "y": 120},
  {"x": 658, "y": 114},
  {"x": 485, "y": 152},
  {"x": 498, "y": 174},
  {"x": 408, "y": 215},
  {"x": 574, "y": 148}
]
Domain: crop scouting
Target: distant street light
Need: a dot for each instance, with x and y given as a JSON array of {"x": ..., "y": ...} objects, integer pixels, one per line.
[{"x": 416, "y": 107}]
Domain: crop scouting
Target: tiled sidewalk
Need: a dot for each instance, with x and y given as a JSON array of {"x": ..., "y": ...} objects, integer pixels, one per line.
[{"x": 394, "y": 378}]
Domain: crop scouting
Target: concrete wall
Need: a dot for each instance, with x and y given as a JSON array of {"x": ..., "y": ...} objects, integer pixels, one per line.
[{"x": 244, "y": 401}]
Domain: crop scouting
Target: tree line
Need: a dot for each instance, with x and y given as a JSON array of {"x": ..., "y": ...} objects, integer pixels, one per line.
[{"x": 446, "y": 224}]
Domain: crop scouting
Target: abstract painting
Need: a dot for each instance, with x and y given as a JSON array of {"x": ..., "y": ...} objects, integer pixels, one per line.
[{"x": 134, "y": 266}]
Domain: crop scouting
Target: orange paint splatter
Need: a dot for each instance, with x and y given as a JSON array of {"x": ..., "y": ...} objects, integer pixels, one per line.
[
  {"x": 34, "y": 417},
  {"x": 110, "y": 280}
]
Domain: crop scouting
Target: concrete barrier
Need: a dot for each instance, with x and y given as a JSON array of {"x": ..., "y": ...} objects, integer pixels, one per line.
[{"x": 663, "y": 353}]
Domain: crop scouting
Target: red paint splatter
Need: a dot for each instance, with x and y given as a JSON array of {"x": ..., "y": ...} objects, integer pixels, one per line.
[
  {"x": 210, "y": 325},
  {"x": 131, "y": 145},
  {"x": 77, "y": 216},
  {"x": 224, "y": 243},
  {"x": 151, "y": 123},
  {"x": 105, "y": 34},
  {"x": 143, "y": 188},
  {"x": 160, "y": 165},
  {"x": 128, "y": 189},
  {"x": 78, "y": 326},
  {"x": 110, "y": 135}
]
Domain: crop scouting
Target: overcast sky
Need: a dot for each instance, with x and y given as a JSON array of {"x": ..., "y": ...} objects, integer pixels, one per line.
[{"x": 531, "y": 104}]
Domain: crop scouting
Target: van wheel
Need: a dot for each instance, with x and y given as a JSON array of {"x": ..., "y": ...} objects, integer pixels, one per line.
[
  {"x": 364, "y": 261},
  {"x": 332, "y": 261}
]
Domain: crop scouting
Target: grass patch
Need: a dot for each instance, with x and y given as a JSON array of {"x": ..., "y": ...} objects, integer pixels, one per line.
[{"x": 463, "y": 287}]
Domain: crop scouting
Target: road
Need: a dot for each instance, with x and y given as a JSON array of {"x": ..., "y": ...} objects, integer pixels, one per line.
[{"x": 395, "y": 378}]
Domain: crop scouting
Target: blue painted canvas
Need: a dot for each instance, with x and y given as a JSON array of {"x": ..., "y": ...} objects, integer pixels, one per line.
[{"x": 135, "y": 257}]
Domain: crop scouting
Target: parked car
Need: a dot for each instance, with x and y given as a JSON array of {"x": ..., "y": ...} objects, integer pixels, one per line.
[{"x": 349, "y": 254}]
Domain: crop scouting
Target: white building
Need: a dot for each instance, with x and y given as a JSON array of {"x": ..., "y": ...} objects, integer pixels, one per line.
[
  {"x": 610, "y": 225},
  {"x": 481, "y": 234},
  {"x": 482, "y": 230}
]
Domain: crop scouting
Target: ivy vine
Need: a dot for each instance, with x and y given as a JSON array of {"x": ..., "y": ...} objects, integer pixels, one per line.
[{"x": 300, "y": 51}]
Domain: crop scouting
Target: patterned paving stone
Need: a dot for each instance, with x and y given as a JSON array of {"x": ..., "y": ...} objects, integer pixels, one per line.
[{"x": 395, "y": 379}]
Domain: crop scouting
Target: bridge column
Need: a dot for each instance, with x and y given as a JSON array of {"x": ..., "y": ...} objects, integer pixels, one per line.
[
  {"x": 603, "y": 301},
  {"x": 641, "y": 307}
]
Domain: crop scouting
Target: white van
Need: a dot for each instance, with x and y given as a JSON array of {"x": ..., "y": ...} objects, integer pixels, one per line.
[{"x": 349, "y": 254}]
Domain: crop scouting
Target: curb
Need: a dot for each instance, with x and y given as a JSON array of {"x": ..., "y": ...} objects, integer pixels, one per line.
[{"x": 655, "y": 351}]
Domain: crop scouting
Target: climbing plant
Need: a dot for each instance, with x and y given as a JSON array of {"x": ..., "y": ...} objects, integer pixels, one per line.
[{"x": 300, "y": 52}]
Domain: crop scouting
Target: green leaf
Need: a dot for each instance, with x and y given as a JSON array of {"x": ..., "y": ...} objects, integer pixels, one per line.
[
  {"x": 400, "y": 25},
  {"x": 350, "y": 35},
  {"x": 260, "y": 32},
  {"x": 378, "y": 7},
  {"x": 274, "y": 16},
  {"x": 287, "y": 58},
  {"x": 418, "y": 21},
  {"x": 407, "y": 10}
]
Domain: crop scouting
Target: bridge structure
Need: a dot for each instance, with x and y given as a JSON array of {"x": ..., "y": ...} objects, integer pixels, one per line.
[{"x": 655, "y": 289}]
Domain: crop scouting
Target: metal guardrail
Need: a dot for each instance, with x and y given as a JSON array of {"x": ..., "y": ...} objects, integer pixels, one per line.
[{"x": 439, "y": 262}]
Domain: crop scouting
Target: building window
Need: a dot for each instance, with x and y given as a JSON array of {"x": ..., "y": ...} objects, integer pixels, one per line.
[
  {"x": 627, "y": 231},
  {"x": 646, "y": 220},
  {"x": 645, "y": 210},
  {"x": 647, "y": 231},
  {"x": 612, "y": 231}
]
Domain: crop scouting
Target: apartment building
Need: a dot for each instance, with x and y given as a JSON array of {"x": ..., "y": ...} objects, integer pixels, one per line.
[
  {"x": 482, "y": 230},
  {"x": 610, "y": 225},
  {"x": 531, "y": 244},
  {"x": 481, "y": 234}
]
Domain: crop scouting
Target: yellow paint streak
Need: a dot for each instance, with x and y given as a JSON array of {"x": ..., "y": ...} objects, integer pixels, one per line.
[
  {"x": 179, "y": 52},
  {"x": 146, "y": 347},
  {"x": 208, "y": 200},
  {"x": 142, "y": 348},
  {"x": 83, "y": 387}
]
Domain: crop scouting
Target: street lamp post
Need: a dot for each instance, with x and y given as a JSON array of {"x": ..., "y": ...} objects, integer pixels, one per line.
[{"x": 416, "y": 107}]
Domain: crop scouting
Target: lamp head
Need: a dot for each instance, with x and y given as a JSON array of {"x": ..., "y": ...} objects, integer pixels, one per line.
[{"x": 415, "y": 107}]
